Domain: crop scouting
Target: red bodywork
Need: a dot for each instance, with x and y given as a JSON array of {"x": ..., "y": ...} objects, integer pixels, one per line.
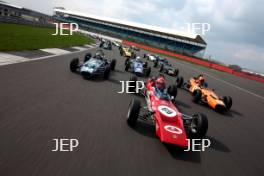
[{"x": 167, "y": 118}]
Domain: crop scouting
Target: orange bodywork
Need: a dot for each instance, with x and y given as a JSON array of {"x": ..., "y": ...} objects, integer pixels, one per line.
[{"x": 208, "y": 95}]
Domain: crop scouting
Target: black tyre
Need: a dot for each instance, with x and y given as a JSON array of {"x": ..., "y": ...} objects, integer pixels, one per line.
[
  {"x": 197, "y": 95},
  {"x": 228, "y": 102},
  {"x": 74, "y": 64},
  {"x": 87, "y": 57},
  {"x": 172, "y": 91},
  {"x": 179, "y": 81},
  {"x": 132, "y": 84},
  {"x": 176, "y": 72},
  {"x": 107, "y": 72},
  {"x": 148, "y": 71},
  {"x": 198, "y": 126},
  {"x": 145, "y": 65},
  {"x": 161, "y": 68},
  {"x": 113, "y": 64},
  {"x": 127, "y": 66},
  {"x": 133, "y": 112},
  {"x": 144, "y": 56},
  {"x": 155, "y": 63}
]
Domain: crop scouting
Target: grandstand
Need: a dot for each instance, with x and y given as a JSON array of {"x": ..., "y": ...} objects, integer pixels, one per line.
[
  {"x": 10, "y": 13},
  {"x": 158, "y": 37}
]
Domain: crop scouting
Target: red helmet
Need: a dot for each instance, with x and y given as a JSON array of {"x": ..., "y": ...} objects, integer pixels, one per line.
[{"x": 160, "y": 83}]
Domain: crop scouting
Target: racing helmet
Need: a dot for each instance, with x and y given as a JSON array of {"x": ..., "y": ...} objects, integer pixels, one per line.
[
  {"x": 98, "y": 56},
  {"x": 201, "y": 79},
  {"x": 137, "y": 58},
  {"x": 160, "y": 83}
]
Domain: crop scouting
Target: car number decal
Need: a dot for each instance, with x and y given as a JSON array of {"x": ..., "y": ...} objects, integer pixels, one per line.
[
  {"x": 167, "y": 111},
  {"x": 173, "y": 129}
]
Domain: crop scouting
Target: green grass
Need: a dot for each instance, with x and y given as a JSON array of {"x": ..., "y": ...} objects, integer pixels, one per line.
[{"x": 14, "y": 37}]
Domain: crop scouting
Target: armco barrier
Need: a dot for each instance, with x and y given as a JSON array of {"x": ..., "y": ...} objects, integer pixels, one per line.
[{"x": 196, "y": 61}]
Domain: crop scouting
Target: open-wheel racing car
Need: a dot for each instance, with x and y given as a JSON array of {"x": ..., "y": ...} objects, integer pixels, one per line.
[
  {"x": 201, "y": 93},
  {"x": 166, "y": 67},
  {"x": 137, "y": 66},
  {"x": 172, "y": 126},
  {"x": 106, "y": 45},
  {"x": 94, "y": 66}
]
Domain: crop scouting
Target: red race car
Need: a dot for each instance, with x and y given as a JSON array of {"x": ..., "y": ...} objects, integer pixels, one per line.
[{"x": 172, "y": 127}]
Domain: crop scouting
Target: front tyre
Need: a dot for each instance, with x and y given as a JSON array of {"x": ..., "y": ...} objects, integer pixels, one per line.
[
  {"x": 133, "y": 112},
  {"x": 228, "y": 102},
  {"x": 198, "y": 127},
  {"x": 74, "y": 64},
  {"x": 113, "y": 64}
]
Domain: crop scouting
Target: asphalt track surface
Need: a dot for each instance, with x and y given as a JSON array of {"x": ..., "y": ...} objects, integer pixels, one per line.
[{"x": 42, "y": 100}]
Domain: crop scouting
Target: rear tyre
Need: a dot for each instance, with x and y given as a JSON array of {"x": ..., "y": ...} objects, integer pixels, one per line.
[
  {"x": 161, "y": 68},
  {"x": 133, "y": 112},
  {"x": 113, "y": 64},
  {"x": 172, "y": 91},
  {"x": 228, "y": 102},
  {"x": 148, "y": 71},
  {"x": 107, "y": 73},
  {"x": 74, "y": 64},
  {"x": 197, "y": 95},
  {"x": 132, "y": 84},
  {"x": 179, "y": 81},
  {"x": 198, "y": 127},
  {"x": 176, "y": 72}
]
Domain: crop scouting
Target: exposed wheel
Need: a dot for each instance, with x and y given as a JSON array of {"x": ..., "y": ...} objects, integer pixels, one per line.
[
  {"x": 144, "y": 56},
  {"x": 74, "y": 64},
  {"x": 127, "y": 65},
  {"x": 179, "y": 81},
  {"x": 133, "y": 112},
  {"x": 145, "y": 65},
  {"x": 176, "y": 72},
  {"x": 148, "y": 71},
  {"x": 228, "y": 102},
  {"x": 87, "y": 57},
  {"x": 197, "y": 95},
  {"x": 198, "y": 126},
  {"x": 132, "y": 84},
  {"x": 107, "y": 72},
  {"x": 161, "y": 68},
  {"x": 113, "y": 64},
  {"x": 155, "y": 63},
  {"x": 172, "y": 91}
]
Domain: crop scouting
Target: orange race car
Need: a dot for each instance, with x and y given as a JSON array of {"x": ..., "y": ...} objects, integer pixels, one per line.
[{"x": 201, "y": 93}]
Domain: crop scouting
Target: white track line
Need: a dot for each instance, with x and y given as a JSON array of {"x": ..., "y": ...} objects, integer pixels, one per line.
[
  {"x": 228, "y": 83},
  {"x": 55, "y": 51},
  {"x": 40, "y": 58}
]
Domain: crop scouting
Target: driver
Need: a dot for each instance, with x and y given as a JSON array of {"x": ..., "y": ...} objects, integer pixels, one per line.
[
  {"x": 200, "y": 80},
  {"x": 98, "y": 56},
  {"x": 160, "y": 85}
]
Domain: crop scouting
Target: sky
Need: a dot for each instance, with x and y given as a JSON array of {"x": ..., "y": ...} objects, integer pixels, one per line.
[{"x": 236, "y": 33}]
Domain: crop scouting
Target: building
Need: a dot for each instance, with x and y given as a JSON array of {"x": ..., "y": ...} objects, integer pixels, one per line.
[
  {"x": 153, "y": 36},
  {"x": 10, "y": 13}
]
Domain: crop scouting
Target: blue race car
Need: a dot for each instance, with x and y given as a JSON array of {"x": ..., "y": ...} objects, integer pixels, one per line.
[
  {"x": 138, "y": 67},
  {"x": 94, "y": 66}
]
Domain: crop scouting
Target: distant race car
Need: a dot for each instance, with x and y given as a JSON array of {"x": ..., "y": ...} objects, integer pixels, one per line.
[
  {"x": 93, "y": 66},
  {"x": 125, "y": 51},
  {"x": 150, "y": 57},
  {"x": 171, "y": 126},
  {"x": 135, "y": 48},
  {"x": 201, "y": 93},
  {"x": 106, "y": 45},
  {"x": 165, "y": 67},
  {"x": 137, "y": 67}
]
